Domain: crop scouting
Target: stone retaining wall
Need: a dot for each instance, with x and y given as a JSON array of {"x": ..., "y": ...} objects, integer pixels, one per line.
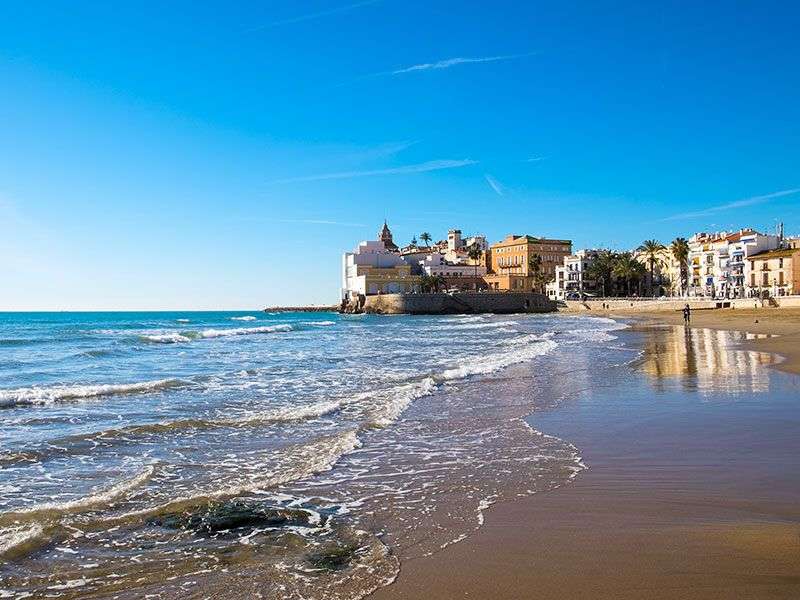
[
  {"x": 427, "y": 304},
  {"x": 675, "y": 304}
]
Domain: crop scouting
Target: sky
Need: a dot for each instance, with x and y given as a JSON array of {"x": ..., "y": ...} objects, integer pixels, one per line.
[{"x": 223, "y": 155}]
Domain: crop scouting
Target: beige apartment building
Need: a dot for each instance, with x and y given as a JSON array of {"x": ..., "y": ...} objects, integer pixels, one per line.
[
  {"x": 775, "y": 273},
  {"x": 508, "y": 262}
]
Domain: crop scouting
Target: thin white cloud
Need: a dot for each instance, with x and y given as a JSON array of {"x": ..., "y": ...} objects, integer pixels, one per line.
[
  {"x": 431, "y": 165},
  {"x": 535, "y": 158},
  {"x": 495, "y": 185},
  {"x": 731, "y": 205},
  {"x": 380, "y": 151},
  {"x": 452, "y": 62},
  {"x": 320, "y": 222},
  {"x": 316, "y": 15}
]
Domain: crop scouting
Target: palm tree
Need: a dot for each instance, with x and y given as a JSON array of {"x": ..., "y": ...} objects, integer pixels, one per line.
[
  {"x": 425, "y": 237},
  {"x": 680, "y": 252},
  {"x": 627, "y": 268},
  {"x": 601, "y": 269},
  {"x": 475, "y": 253},
  {"x": 651, "y": 250}
]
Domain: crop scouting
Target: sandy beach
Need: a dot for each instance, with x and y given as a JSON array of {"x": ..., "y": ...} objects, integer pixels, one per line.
[
  {"x": 692, "y": 488},
  {"x": 782, "y": 325}
]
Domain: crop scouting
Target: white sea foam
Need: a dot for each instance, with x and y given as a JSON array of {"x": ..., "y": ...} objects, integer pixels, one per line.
[
  {"x": 247, "y": 318},
  {"x": 458, "y": 319},
  {"x": 166, "y": 338},
  {"x": 61, "y": 393},
  {"x": 304, "y": 460},
  {"x": 486, "y": 325},
  {"x": 293, "y": 413},
  {"x": 387, "y": 405},
  {"x": 384, "y": 407},
  {"x": 217, "y": 333},
  {"x": 182, "y": 320},
  {"x": 525, "y": 349},
  {"x": 320, "y": 323}
]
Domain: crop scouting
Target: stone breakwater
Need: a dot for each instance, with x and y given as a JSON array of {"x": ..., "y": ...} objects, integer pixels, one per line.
[
  {"x": 285, "y": 309},
  {"x": 435, "y": 304}
]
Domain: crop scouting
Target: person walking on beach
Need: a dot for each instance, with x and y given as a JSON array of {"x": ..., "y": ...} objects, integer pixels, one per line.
[{"x": 687, "y": 314}]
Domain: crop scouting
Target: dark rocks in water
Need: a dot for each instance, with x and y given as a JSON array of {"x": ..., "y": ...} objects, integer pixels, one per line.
[
  {"x": 235, "y": 515},
  {"x": 333, "y": 557}
]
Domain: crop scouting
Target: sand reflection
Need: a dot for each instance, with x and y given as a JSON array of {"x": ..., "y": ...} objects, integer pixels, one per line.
[{"x": 704, "y": 360}]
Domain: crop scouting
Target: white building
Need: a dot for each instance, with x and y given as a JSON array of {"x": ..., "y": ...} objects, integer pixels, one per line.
[
  {"x": 372, "y": 268},
  {"x": 458, "y": 248},
  {"x": 717, "y": 261},
  {"x": 572, "y": 278},
  {"x": 437, "y": 264}
]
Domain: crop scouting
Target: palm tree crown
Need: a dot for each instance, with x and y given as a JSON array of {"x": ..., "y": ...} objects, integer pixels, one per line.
[
  {"x": 651, "y": 250},
  {"x": 680, "y": 252},
  {"x": 474, "y": 253},
  {"x": 425, "y": 237},
  {"x": 627, "y": 268}
]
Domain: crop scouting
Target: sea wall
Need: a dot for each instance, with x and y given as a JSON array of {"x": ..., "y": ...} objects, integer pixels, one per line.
[
  {"x": 628, "y": 305},
  {"x": 433, "y": 304},
  {"x": 673, "y": 304}
]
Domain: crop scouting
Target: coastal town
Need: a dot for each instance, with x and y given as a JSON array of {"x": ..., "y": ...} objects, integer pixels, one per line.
[{"x": 717, "y": 265}]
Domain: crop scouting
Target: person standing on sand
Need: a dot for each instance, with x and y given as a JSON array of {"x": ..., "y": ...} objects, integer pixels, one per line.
[{"x": 687, "y": 314}]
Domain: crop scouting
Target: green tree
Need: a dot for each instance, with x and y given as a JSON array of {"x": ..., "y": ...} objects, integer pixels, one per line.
[
  {"x": 535, "y": 270},
  {"x": 601, "y": 270},
  {"x": 680, "y": 252},
  {"x": 628, "y": 269},
  {"x": 651, "y": 249},
  {"x": 425, "y": 283},
  {"x": 431, "y": 283},
  {"x": 425, "y": 237}
]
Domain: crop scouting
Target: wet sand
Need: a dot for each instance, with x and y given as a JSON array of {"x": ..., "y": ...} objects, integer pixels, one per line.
[
  {"x": 782, "y": 323},
  {"x": 692, "y": 491}
]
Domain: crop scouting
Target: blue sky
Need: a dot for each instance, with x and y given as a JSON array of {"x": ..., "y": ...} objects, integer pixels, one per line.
[{"x": 224, "y": 155}]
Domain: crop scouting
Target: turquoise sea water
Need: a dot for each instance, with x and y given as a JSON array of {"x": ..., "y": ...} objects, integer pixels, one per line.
[{"x": 302, "y": 454}]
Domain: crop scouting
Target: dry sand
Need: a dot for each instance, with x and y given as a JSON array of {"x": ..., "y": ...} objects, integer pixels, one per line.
[{"x": 687, "y": 502}]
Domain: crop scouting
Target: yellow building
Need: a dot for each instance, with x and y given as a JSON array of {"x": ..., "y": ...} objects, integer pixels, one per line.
[
  {"x": 774, "y": 273},
  {"x": 508, "y": 262}
]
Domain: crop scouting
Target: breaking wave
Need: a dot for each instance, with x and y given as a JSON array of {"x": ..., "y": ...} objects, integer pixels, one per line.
[
  {"x": 216, "y": 333},
  {"x": 166, "y": 338},
  {"x": 17, "y": 537},
  {"x": 175, "y": 337},
  {"x": 465, "y": 324},
  {"x": 62, "y": 393},
  {"x": 98, "y": 498},
  {"x": 247, "y": 318}
]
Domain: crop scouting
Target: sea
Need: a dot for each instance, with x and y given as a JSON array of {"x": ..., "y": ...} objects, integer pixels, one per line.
[{"x": 271, "y": 455}]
